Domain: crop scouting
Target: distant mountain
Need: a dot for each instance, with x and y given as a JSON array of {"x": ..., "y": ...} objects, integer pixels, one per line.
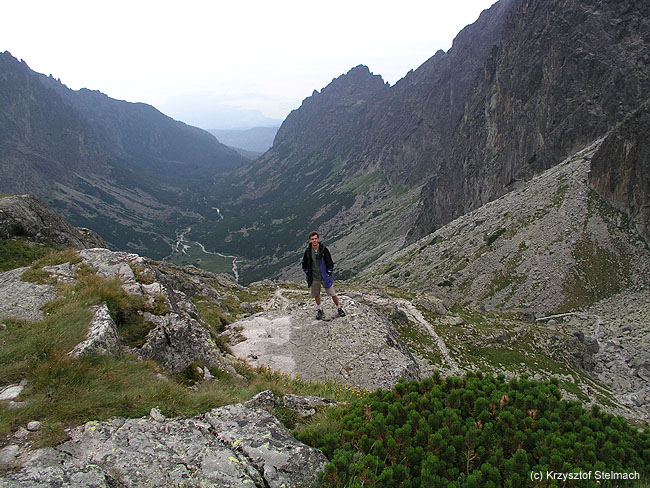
[
  {"x": 256, "y": 139},
  {"x": 374, "y": 167},
  {"x": 123, "y": 169}
]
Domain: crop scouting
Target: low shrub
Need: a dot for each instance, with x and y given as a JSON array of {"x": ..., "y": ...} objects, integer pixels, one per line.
[{"x": 478, "y": 431}]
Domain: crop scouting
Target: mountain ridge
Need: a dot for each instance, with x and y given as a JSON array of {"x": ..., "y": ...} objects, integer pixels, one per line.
[{"x": 464, "y": 128}]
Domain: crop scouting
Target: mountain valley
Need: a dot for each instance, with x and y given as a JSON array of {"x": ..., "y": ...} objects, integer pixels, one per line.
[{"x": 488, "y": 216}]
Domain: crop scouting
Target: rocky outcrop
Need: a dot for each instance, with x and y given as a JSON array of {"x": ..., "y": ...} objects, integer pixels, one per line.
[
  {"x": 620, "y": 169},
  {"x": 233, "y": 446},
  {"x": 102, "y": 336},
  {"x": 178, "y": 338},
  {"x": 177, "y": 341},
  {"x": 304, "y": 406},
  {"x": 22, "y": 299},
  {"x": 28, "y": 217},
  {"x": 362, "y": 349}
]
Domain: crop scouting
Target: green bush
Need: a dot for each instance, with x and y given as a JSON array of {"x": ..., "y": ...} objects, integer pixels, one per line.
[{"x": 474, "y": 431}]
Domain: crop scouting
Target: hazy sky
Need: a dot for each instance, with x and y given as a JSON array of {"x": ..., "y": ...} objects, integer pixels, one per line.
[{"x": 207, "y": 62}]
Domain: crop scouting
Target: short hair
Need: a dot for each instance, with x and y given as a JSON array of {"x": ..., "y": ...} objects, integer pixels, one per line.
[{"x": 313, "y": 233}]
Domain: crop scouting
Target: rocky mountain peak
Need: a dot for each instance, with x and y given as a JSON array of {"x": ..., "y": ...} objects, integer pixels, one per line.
[
  {"x": 358, "y": 82},
  {"x": 321, "y": 115}
]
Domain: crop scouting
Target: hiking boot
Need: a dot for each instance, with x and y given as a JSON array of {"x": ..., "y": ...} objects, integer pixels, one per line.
[
  {"x": 341, "y": 312},
  {"x": 319, "y": 314}
]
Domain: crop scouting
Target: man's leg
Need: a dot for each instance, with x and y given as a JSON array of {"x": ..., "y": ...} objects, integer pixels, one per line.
[
  {"x": 315, "y": 292},
  {"x": 335, "y": 299}
]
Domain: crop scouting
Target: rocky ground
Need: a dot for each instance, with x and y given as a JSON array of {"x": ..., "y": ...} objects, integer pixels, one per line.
[
  {"x": 384, "y": 336},
  {"x": 233, "y": 446},
  {"x": 362, "y": 349},
  {"x": 622, "y": 330},
  {"x": 550, "y": 246}
]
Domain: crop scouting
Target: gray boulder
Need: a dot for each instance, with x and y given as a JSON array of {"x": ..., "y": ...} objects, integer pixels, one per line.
[
  {"x": 431, "y": 303},
  {"x": 304, "y": 406},
  {"x": 177, "y": 341},
  {"x": 22, "y": 299}
]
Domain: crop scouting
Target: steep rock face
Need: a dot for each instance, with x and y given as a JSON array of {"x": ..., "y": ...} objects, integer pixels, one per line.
[
  {"x": 42, "y": 139},
  {"x": 562, "y": 74},
  {"x": 26, "y": 216},
  {"x": 620, "y": 170},
  {"x": 412, "y": 127}
]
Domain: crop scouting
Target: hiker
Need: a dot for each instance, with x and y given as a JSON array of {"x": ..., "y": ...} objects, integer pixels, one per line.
[{"x": 318, "y": 266}]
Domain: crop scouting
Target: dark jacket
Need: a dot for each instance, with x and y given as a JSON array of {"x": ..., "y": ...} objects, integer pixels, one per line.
[{"x": 325, "y": 263}]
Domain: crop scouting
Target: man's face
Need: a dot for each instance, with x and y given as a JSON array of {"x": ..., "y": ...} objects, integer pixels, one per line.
[{"x": 314, "y": 241}]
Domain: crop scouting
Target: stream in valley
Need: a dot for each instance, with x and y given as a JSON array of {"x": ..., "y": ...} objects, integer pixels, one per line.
[{"x": 186, "y": 252}]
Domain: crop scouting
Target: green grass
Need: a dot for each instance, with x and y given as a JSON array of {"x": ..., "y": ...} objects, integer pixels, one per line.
[
  {"x": 62, "y": 392},
  {"x": 360, "y": 184},
  {"x": 18, "y": 253}
]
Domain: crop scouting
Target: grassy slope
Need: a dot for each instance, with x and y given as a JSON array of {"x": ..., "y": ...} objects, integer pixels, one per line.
[{"x": 62, "y": 392}]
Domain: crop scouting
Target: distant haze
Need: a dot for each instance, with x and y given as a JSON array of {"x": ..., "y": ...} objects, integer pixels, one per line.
[
  {"x": 257, "y": 139},
  {"x": 208, "y": 111}
]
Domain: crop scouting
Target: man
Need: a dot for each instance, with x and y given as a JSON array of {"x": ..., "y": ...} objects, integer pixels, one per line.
[{"x": 318, "y": 266}]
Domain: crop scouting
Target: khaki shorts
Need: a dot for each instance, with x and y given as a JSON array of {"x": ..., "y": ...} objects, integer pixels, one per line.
[{"x": 316, "y": 286}]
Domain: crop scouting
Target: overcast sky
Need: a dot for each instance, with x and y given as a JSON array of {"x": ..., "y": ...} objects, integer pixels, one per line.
[{"x": 209, "y": 62}]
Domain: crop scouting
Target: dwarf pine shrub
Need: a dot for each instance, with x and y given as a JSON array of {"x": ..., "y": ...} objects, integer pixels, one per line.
[{"x": 477, "y": 431}]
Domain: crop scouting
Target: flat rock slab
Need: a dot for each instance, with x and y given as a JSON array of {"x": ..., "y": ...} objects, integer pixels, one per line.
[
  {"x": 231, "y": 447},
  {"x": 21, "y": 299},
  {"x": 361, "y": 349}
]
